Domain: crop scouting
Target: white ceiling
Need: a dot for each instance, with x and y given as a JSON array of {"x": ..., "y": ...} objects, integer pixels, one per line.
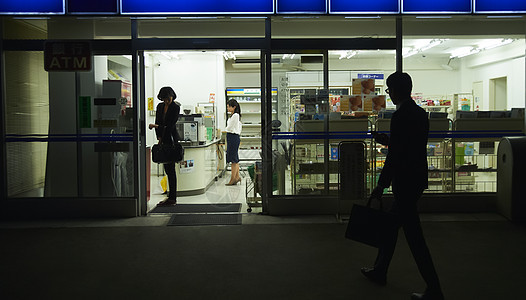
[{"x": 440, "y": 51}]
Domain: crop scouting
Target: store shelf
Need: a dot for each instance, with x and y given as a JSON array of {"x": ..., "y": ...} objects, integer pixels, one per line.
[{"x": 491, "y": 170}]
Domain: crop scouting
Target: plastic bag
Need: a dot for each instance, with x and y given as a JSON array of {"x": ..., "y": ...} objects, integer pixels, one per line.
[{"x": 164, "y": 183}]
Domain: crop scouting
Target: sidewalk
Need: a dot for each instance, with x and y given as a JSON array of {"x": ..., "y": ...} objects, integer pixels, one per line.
[{"x": 476, "y": 257}]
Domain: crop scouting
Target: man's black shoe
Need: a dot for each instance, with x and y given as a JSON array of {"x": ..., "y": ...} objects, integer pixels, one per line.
[
  {"x": 374, "y": 275},
  {"x": 427, "y": 296}
]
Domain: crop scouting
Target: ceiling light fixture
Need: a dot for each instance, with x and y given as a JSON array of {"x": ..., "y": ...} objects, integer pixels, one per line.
[
  {"x": 169, "y": 55},
  {"x": 463, "y": 52},
  {"x": 229, "y": 55},
  {"x": 421, "y": 46},
  {"x": 484, "y": 45},
  {"x": 166, "y": 54},
  {"x": 490, "y": 44},
  {"x": 347, "y": 54}
]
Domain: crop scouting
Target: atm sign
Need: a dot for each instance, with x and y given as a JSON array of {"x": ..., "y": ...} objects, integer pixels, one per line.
[{"x": 67, "y": 56}]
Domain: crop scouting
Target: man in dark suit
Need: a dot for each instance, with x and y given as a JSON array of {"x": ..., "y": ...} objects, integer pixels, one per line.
[{"x": 405, "y": 169}]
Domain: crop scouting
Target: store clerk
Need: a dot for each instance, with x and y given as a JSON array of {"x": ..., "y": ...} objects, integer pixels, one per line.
[{"x": 233, "y": 129}]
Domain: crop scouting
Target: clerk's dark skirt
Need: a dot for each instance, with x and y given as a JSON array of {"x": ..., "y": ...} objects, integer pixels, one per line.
[{"x": 232, "y": 147}]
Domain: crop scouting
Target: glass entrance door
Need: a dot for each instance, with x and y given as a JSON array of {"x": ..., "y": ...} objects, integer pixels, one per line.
[{"x": 298, "y": 142}]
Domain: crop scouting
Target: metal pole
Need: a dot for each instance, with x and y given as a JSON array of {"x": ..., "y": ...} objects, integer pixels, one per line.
[
  {"x": 266, "y": 111},
  {"x": 326, "y": 152},
  {"x": 80, "y": 191},
  {"x": 399, "y": 58},
  {"x": 3, "y": 152},
  {"x": 139, "y": 138}
]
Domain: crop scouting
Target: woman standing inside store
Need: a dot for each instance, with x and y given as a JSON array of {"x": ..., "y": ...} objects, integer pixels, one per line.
[
  {"x": 233, "y": 129},
  {"x": 166, "y": 131}
]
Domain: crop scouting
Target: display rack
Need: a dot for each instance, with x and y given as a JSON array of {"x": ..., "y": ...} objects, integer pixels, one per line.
[
  {"x": 308, "y": 165},
  {"x": 208, "y": 110},
  {"x": 475, "y": 159}
]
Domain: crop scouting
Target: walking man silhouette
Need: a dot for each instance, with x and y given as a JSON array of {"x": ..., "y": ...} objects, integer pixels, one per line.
[{"x": 405, "y": 169}]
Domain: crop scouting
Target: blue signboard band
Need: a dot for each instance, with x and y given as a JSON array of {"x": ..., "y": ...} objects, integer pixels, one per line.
[
  {"x": 262, "y": 7},
  {"x": 197, "y": 7},
  {"x": 30, "y": 7},
  {"x": 301, "y": 6},
  {"x": 502, "y": 6},
  {"x": 93, "y": 7},
  {"x": 436, "y": 6},
  {"x": 364, "y": 7}
]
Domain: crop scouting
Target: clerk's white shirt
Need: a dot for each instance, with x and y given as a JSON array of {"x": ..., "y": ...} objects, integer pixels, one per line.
[{"x": 233, "y": 125}]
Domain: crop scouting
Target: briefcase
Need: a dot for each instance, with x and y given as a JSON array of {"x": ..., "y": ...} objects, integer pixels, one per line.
[
  {"x": 166, "y": 154},
  {"x": 371, "y": 226}
]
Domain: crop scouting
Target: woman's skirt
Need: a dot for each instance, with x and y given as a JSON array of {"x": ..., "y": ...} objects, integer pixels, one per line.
[{"x": 232, "y": 147}]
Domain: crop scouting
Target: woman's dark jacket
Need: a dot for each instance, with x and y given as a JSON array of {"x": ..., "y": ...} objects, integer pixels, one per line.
[{"x": 167, "y": 130}]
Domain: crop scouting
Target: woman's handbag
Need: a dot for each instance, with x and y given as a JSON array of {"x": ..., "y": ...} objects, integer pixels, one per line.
[
  {"x": 166, "y": 154},
  {"x": 371, "y": 226}
]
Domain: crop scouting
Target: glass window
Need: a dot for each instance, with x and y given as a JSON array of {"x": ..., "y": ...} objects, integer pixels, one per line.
[
  {"x": 355, "y": 98},
  {"x": 468, "y": 73},
  {"x": 69, "y": 134}
]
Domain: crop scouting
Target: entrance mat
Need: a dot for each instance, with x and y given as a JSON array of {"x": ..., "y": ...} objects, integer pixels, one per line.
[
  {"x": 204, "y": 219},
  {"x": 197, "y": 208}
]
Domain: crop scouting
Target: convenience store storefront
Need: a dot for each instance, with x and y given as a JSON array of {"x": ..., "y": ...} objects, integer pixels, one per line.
[{"x": 46, "y": 149}]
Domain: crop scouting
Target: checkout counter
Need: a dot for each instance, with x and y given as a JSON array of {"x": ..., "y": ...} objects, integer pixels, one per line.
[{"x": 199, "y": 169}]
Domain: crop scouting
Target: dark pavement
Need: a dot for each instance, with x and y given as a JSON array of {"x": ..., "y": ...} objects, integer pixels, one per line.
[{"x": 475, "y": 259}]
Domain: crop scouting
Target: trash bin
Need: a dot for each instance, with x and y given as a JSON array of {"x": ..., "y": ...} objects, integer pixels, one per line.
[{"x": 511, "y": 178}]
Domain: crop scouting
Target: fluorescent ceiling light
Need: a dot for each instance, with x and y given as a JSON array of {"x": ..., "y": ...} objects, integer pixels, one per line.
[
  {"x": 407, "y": 52},
  {"x": 347, "y": 54},
  {"x": 421, "y": 46},
  {"x": 165, "y": 54},
  {"x": 229, "y": 55},
  {"x": 484, "y": 45},
  {"x": 169, "y": 55},
  {"x": 493, "y": 43},
  {"x": 463, "y": 52}
]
